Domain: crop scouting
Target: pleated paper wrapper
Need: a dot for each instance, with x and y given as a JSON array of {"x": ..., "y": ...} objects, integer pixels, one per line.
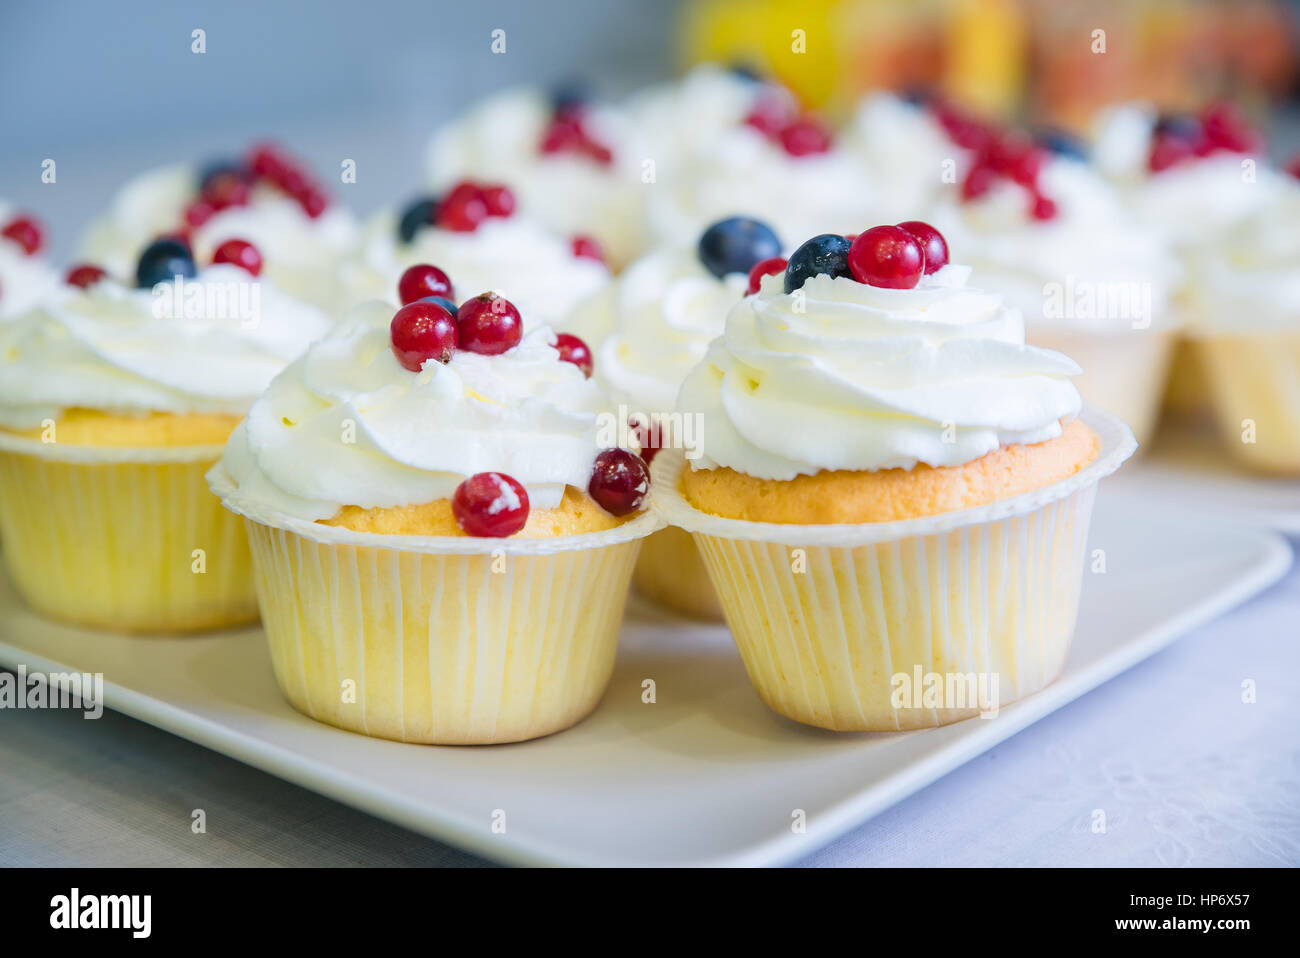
[
  {"x": 843, "y": 626},
  {"x": 671, "y": 573},
  {"x": 130, "y": 540},
  {"x": 1254, "y": 381},
  {"x": 441, "y": 639}
]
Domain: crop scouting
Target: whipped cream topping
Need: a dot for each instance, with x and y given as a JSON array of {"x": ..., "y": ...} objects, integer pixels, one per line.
[
  {"x": 500, "y": 138},
  {"x": 301, "y": 255},
  {"x": 1091, "y": 265},
  {"x": 24, "y": 279},
  {"x": 901, "y": 144},
  {"x": 667, "y": 309},
  {"x": 1250, "y": 279},
  {"x": 132, "y": 351},
  {"x": 851, "y": 376},
  {"x": 347, "y": 425},
  {"x": 515, "y": 256}
]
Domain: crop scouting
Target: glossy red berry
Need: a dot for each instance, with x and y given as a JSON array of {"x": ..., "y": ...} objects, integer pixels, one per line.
[
  {"x": 423, "y": 331},
  {"x": 226, "y": 190},
  {"x": 1223, "y": 126},
  {"x": 573, "y": 350},
  {"x": 933, "y": 245},
  {"x": 1168, "y": 150},
  {"x": 1043, "y": 207},
  {"x": 490, "y": 504},
  {"x": 423, "y": 280},
  {"x": 806, "y": 136},
  {"x": 499, "y": 200},
  {"x": 489, "y": 324},
  {"x": 648, "y": 437},
  {"x": 462, "y": 209},
  {"x": 619, "y": 481},
  {"x": 84, "y": 275},
  {"x": 764, "y": 267},
  {"x": 198, "y": 213},
  {"x": 769, "y": 115},
  {"x": 886, "y": 256},
  {"x": 26, "y": 232},
  {"x": 565, "y": 134},
  {"x": 584, "y": 247},
  {"x": 265, "y": 161},
  {"x": 241, "y": 253},
  {"x": 314, "y": 201}
]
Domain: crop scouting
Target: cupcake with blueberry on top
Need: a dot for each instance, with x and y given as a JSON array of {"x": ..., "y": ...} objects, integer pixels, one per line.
[
  {"x": 667, "y": 307},
  {"x": 268, "y": 197},
  {"x": 433, "y": 515},
  {"x": 115, "y": 400},
  {"x": 890, "y": 480}
]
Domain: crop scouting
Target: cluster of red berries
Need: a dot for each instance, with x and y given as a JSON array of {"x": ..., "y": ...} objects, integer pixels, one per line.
[
  {"x": 1294, "y": 166},
  {"x": 778, "y": 119},
  {"x": 26, "y": 232},
  {"x": 1219, "y": 128},
  {"x": 430, "y": 325},
  {"x": 568, "y": 133},
  {"x": 236, "y": 252},
  {"x": 467, "y": 204},
  {"x": 231, "y": 184}
]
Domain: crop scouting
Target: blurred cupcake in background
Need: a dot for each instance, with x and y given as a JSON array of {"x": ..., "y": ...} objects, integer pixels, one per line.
[
  {"x": 1245, "y": 333},
  {"x": 25, "y": 276},
  {"x": 1044, "y": 230},
  {"x": 268, "y": 198},
  {"x": 571, "y": 162},
  {"x": 668, "y": 306},
  {"x": 1193, "y": 178},
  {"x": 754, "y": 151},
  {"x": 115, "y": 400},
  {"x": 469, "y": 232}
]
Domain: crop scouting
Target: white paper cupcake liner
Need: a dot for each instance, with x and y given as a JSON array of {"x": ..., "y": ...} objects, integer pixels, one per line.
[{"x": 833, "y": 622}]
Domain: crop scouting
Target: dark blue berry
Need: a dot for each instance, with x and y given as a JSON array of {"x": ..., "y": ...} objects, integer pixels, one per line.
[
  {"x": 571, "y": 95},
  {"x": 745, "y": 70},
  {"x": 210, "y": 171},
  {"x": 442, "y": 301},
  {"x": 417, "y": 214},
  {"x": 162, "y": 261},
  {"x": 1182, "y": 126},
  {"x": 827, "y": 253},
  {"x": 917, "y": 96},
  {"x": 1063, "y": 144},
  {"x": 734, "y": 245}
]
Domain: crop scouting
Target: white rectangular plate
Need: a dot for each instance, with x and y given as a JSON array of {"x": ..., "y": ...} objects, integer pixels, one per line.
[{"x": 707, "y": 774}]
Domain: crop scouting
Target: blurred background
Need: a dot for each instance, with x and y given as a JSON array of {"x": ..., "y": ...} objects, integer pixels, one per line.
[{"x": 108, "y": 89}]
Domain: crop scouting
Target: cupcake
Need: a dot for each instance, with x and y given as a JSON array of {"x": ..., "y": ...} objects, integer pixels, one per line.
[
  {"x": 114, "y": 403},
  {"x": 570, "y": 161},
  {"x": 668, "y": 307},
  {"x": 1192, "y": 178},
  {"x": 892, "y": 489},
  {"x": 25, "y": 277},
  {"x": 441, "y": 545},
  {"x": 1052, "y": 236},
  {"x": 469, "y": 232},
  {"x": 268, "y": 198},
  {"x": 765, "y": 156},
  {"x": 1245, "y": 333}
]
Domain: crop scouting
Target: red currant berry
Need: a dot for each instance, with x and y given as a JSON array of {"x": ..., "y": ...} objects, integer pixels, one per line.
[
  {"x": 1025, "y": 162},
  {"x": 498, "y": 200},
  {"x": 1294, "y": 166},
  {"x": 1167, "y": 150},
  {"x": 764, "y": 267},
  {"x": 198, "y": 213},
  {"x": 573, "y": 350},
  {"x": 490, "y": 504},
  {"x": 887, "y": 256},
  {"x": 313, "y": 201},
  {"x": 648, "y": 438},
  {"x": 933, "y": 245},
  {"x": 769, "y": 115},
  {"x": 489, "y": 324},
  {"x": 619, "y": 481},
  {"x": 462, "y": 209},
  {"x": 26, "y": 232},
  {"x": 805, "y": 136},
  {"x": 564, "y": 134},
  {"x": 1223, "y": 125},
  {"x": 978, "y": 181},
  {"x": 584, "y": 247},
  {"x": 225, "y": 190},
  {"x": 423, "y": 280},
  {"x": 423, "y": 331},
  {"x": 84, "y": 275},
  {"x": 1043, "y": 208},
  {"x": 265, "y": 161},
  {"x": 241, "y": 253}
]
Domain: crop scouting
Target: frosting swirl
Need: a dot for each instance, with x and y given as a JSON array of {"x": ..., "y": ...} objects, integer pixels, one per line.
[
  {"x": 347, "y": 425},
  {"x": 129, "y": 351},
  {"x": 851, "y": 376},
  {"x": 668, "y": 309},
  {"x": 547, "y": 282}
]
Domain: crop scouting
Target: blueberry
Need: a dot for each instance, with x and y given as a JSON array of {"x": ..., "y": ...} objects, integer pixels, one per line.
[
  {"x": 570, "y": 95},
  {"x": 745, "y": 70},
  {"x": 827, "y": 253},
  {"x": 161, "y": 261},
  {"x": 1063, "y": 144},
  {"x": 917, "y": 96},
  {"x": 210, "y": 171},
  {"x": 442, "y": 301},
  {"x": 734, "y": 245},
  {"x": 418, "y": 213},
  {"x": 1182, "y": 126}
]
